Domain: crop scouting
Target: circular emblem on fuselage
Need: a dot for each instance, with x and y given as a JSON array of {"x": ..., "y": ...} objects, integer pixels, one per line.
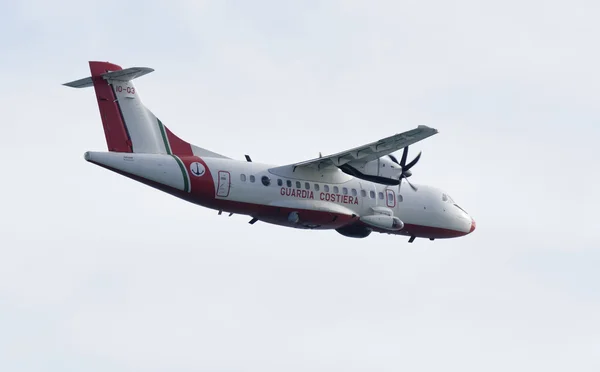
[{"x": 197, "y": 169}]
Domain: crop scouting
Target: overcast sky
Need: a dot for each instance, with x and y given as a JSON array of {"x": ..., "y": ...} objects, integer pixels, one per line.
[{"x": 99, "y": 273}]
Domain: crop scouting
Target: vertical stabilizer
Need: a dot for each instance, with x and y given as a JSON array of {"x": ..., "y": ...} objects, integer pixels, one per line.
[{"x": 128, "y": 125}]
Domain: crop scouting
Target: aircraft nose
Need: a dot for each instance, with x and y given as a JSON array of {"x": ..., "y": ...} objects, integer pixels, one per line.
[{"x": 473, "y": 225}]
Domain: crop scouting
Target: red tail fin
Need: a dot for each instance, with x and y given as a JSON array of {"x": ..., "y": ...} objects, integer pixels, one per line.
[
  {"x": 115, "y": 130},
  {"x": 128, "y": 125}
]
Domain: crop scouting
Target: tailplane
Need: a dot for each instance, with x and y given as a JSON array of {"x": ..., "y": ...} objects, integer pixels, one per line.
[{"x": 128, "y": 125}]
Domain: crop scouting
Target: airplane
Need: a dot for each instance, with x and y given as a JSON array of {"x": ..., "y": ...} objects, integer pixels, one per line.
[{"x": 354, "y": 192}]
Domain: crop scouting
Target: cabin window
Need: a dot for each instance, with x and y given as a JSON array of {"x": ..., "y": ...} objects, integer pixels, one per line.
[
  {"x": 380, "y": 195},
  {"x": 243, "y": 177},
  {"x": 326, "y": 188},
  {"x": 363, "y": 193},
  {"x": 265, "y": 180},
  {"x": 400, "y": 198},
  {"x": 252, "y": 179},
  {"x": 288, "y": 183},
  {"x": 279, "y": 182},
  {"x": 345, "y": 191},
  {"x": 298, "y": 185},
  {"x": 354, "y": 192},
  {"x": 316, "y": 187},
  {"x": 307, "y": 185},
  {"x": 372, "y": 194},
  {"x": 336, "y": 190}
]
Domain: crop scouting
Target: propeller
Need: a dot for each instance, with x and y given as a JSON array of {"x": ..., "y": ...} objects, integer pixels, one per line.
[{"x": 405, "y": 168}]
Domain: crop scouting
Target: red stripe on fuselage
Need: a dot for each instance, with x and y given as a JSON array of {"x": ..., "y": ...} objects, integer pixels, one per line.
[
  {"x": 178, "y": 146},
  {"x": 203, "y": 194},
  {"x": 117, "y": 138},
  {"x": 202, "y": 188}
]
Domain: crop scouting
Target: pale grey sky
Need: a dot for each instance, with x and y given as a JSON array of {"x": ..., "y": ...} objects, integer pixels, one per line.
[{"x": 100, "y": 273}]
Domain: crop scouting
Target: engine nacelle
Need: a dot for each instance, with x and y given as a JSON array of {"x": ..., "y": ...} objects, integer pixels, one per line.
[
  {"x": 382, "y": 170},
  {"x": 383, "y": 222},
  {"x": 355, "y": 230}
]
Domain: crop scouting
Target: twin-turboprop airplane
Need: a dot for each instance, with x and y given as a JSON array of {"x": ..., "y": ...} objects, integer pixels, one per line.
[{"x": 354, "y": 192}]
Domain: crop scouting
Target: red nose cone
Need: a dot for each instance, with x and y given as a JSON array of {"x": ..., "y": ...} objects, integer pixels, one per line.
[{"x": 473, "y": 225}]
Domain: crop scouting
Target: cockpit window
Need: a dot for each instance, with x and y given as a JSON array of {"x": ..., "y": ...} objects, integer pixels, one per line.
[
  {"x": 447, "y": 198},
  {"x": 456, "y": 205}
]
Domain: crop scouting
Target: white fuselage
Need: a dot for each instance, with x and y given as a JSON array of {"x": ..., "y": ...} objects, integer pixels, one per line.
[
  {"x": 301, "y": 198},
  {"x": 427, "y": 206}
]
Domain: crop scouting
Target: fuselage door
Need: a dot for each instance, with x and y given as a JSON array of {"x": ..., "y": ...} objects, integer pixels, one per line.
[
  {"x": 224, "y": 184},
  {"x": 390, "y": 198}
]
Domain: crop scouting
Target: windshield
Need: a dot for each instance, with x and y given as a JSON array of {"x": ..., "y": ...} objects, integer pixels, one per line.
[{"x": 447, "y": 198}]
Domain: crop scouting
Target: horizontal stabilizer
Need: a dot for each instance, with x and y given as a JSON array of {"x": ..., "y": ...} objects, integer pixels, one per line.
[
  {"x": 127, "y": 74},
  {"x": 81, "y": 83},
  {"x": 120, "y": 75}
]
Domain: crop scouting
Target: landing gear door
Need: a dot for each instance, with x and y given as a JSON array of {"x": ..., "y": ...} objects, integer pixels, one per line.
[{"x": 224, "y": 184}]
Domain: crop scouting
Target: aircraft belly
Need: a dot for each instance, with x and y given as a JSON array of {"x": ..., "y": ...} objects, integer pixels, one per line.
[{"x": 313, "y": 214}]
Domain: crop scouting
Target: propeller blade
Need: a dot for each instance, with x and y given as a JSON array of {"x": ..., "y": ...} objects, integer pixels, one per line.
[
  {"x": 405, "y": 168},
  {"x": 404, "y": 155},
  {"x": 411, "y": 185},
  {"x": 412, "y": 163}
]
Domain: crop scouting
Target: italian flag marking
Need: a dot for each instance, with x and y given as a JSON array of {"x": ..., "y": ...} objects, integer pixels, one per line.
[{"x": 186, "y": 176}]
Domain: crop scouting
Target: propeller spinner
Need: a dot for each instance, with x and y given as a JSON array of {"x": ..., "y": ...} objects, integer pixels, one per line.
[{"x": 405, "y": 167}]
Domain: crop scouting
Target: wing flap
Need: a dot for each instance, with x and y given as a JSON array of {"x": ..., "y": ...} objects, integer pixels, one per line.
[{"x": 370, "y": 151}]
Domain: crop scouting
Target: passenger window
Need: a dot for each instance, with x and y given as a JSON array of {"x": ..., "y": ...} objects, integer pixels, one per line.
[
  {"x": 372, "y": 194},
  {"x": 307, "y": 185},
  {"x": 400, "y": 198},
  {"x": 363, "y": 193},
  {"x": 380, "y": 195},
  {"x": 345, "y": 191},
  {"x": 265, "y": 180},
  {"x": 298, "y": 185},
  {"x": 279, "y": 182},
  {"x": 354, "y": 192},
  {"x": 243, "y": 177},
  {"x": 252, "y": 179},
  {"x": 336, "y": 190},
  {"x": 288, "y": 183},
  {"x": 316, "y": 187},
  {"x": 326, "y": 188}
]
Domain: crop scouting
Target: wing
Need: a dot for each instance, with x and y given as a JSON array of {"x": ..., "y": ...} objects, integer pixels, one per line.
[{"x": 370, "y": 151}]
